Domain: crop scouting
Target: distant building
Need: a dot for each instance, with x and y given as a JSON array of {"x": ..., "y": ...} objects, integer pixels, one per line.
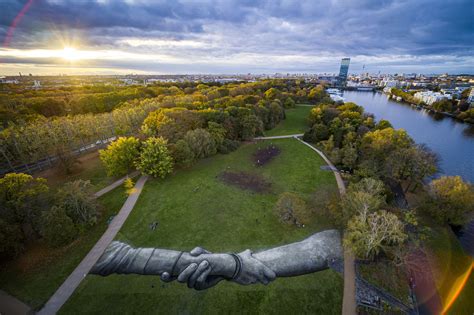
[
  {"x": 343, "y": 71},
  {"x": 430, "y": 97}
]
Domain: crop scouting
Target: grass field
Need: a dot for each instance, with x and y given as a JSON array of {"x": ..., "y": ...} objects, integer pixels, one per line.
[
  {"x": 193, "y": 207},
  {"x": 294, "y": 123},
  {"x": 36, "y": 274},
  {"x": 89, "y": 167}
]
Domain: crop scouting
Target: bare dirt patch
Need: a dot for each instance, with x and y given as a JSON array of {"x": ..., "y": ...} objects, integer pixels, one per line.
[
  {"x": 264, "y": 155},
  {"x": 247, "y": 181}
]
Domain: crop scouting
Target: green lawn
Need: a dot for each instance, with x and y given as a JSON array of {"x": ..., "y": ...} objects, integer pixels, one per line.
[
  {"x": 193, "y": 208},
  {"x": 89, "y": 167},
  {"x": 295, "y": 122},
  {"x": 36, "y": 275}
]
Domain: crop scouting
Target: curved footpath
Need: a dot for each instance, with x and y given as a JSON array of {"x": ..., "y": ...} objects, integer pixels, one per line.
[
  {"x": 62, "y": 294},
  {"x": 349, "y": 304}
]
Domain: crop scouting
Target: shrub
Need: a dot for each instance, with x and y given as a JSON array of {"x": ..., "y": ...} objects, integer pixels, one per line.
[
  {"x": 182, "y": 153},
  {"x": 201, "y": 143},
  {"x": 58, "y": 227},
  {"x": 228, "y": 146},
  {"x": 120, "y": 155},
  {"x": 291, "y": 209},
  {"x": 11, "y": 239},
  {"x": 155, "y": 158}
]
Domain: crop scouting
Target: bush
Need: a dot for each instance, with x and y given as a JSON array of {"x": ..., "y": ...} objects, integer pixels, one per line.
[
  {"x": 155, "y": 158},
  {"x": 77, "y": 200},
  {"x": 58, "y": 227},
  {"x": 182, "y": 153},
  {"x": 201, "y": 143},
  {"x": 291, "y": 209},
  {"x": 120, "y": 156},
  {"x": 228, "y": 146}
]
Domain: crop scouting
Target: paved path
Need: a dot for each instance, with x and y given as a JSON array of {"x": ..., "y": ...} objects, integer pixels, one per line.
[
  {"x": 63, "y": 293},
  {"x": 10, "y": 305},
  {"x": 279, "y": 137},
  {"x": 114, "y": 185},
  {"x": 349, "y": 304},
  {"x": 305, "y": 105}
]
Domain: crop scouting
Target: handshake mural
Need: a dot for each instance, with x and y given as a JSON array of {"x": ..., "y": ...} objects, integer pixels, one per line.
[{"x": 201, "y": 269}]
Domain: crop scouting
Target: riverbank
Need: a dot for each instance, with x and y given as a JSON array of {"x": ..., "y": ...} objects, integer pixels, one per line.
[{"x": 419, "y": 106}]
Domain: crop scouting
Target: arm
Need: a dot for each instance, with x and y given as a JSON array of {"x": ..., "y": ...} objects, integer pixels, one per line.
[{"x": 310, "y": 255}]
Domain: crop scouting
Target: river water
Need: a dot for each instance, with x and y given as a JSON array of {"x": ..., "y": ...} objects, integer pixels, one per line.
[{"x": 453, "y": 141}]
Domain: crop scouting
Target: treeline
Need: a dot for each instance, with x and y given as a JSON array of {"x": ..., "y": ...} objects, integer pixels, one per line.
[{"x": 49, "y": 140}]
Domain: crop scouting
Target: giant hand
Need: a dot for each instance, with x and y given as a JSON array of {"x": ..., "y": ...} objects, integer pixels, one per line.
[{"x": 253, "y": 270}]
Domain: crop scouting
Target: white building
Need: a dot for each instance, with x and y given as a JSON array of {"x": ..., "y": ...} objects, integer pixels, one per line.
[{"x": 429, "y": 97}]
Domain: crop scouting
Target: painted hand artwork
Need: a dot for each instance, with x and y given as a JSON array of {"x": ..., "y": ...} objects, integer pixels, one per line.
[{"x": 201, "y": 269}]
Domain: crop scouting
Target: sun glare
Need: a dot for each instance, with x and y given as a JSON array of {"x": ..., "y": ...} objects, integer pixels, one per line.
[{"x": 70, "y": 53}]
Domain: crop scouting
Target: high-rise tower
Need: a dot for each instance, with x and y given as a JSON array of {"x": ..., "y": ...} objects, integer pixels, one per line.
[{"x": 342, "y": 78}]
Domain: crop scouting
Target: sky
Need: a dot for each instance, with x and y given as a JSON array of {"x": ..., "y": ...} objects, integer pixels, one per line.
[{"x": 235, "y": 36}]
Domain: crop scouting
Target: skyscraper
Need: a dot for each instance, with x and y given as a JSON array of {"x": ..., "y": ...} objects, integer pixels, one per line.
[{"x": 342, "y": 78}]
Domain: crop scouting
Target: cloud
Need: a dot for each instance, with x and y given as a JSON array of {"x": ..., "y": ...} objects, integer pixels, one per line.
[{"x": 259, "y": 35}]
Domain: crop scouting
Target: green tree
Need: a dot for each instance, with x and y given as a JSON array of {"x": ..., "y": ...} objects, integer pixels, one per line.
[
  {"x": 452, "y": 200},
  {"x": 21, "y": 200},
  {"x": 11, "y": 239},
  {"x": 289, "y": 103},
  {"x": 251, "y": 126},
  {"x": 201, "y": 143},
  {"x": 182, "y": 153},
  {"x": 77, "y": 200},
  {"x": 155, "y": 158},
  {"x": 119, "y": 157},
  {"x": 58, "y": 228}
]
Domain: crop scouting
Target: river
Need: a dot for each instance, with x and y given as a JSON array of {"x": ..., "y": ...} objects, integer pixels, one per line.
[{"x": 453, "y": 141}]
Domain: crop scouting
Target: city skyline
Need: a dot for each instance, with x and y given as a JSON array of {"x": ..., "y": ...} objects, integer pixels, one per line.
[{"x": 224, "y": 37}]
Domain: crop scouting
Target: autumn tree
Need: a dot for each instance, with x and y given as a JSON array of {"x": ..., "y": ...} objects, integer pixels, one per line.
[
  {"x": 370, "y": 234},
  {"x": 155, "y": 158},
  {"x": 119, "y": 157},
  {"x": 452, "y": 200},
  {"x": 292, "y": 209}
]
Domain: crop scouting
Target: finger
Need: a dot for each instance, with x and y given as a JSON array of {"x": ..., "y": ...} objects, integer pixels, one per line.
[
  {"x": 200, "y": 269},
  {"x": 269, "y": 274},
  {"x": 166, "y": 277},
  {"x": 201, "y": 280},
  {"x": 198, "y": 251},
  {"x": 210, "y": 282},
  {"x": 187, "y": 272}
]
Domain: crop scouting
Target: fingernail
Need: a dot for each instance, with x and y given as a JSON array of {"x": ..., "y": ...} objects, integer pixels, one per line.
[{"x": 205, "y": 263}]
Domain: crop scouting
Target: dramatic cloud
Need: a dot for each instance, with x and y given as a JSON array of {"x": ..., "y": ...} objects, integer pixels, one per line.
[{"x": 226, "y": 36}]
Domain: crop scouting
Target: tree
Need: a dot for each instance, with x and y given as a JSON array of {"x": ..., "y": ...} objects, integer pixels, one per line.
[
  {"x": 21, "y": 199},
  {"x": 182, "y": 153},
  {"x": 155, "y": 158},
  {"x": 383, "y": 124},
  {"x": 272, "y": 93},
  {"x": 452, "y": 200},
  {"x": 250, "y": 127},
  {"x": 217, "y": 132},
  {"x": 367, "y": 195},
  {"x": 316, "y": 93},
  {"x": 318, "y": 132},
  {"x": 201, "y": 143},
  {"x": 289, "y": 103},
  {"x": 11, "y": 239},
  {"x": 77, "y": 200},
  {"x": 369, "y": 234},
  {"x": 58, "y": 227},
  {"x": 292, "y": 209},
  {"x": 120, "y": 155}
]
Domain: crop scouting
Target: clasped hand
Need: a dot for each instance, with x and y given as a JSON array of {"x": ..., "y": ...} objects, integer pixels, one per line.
[{"x": 198, "y": 276}]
